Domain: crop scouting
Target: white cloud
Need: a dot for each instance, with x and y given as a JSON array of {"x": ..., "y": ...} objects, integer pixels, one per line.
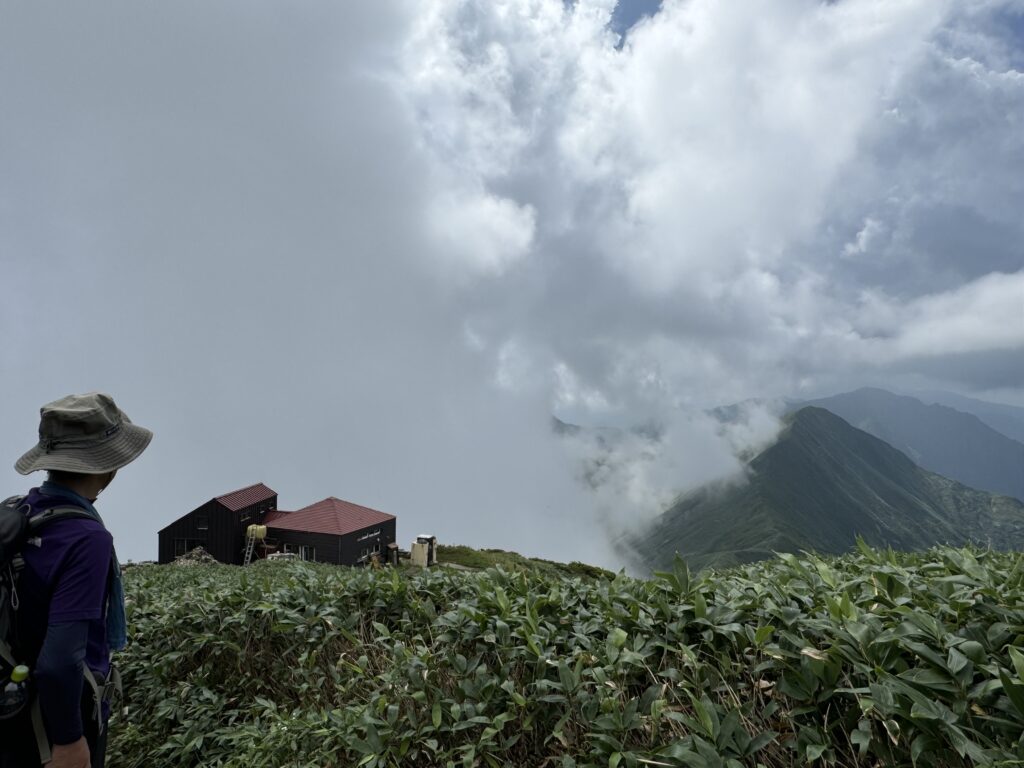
[
  {"x": 866, "y": 238},
  {"x": 635, "y": 474},
  {"x": 406, "y": 232},
  {"x": 718, "y": 134},
  {"x": 480, "y": 232},
  {"x": 570, "y": 394},
  {"x": 985, "y": 315}
]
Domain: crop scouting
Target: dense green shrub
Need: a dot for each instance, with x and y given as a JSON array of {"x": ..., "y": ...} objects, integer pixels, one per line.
[{"x": 870, "y": 659}]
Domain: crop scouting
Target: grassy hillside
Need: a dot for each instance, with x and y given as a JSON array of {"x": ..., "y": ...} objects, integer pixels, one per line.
[
  {"x": 480, "y": 559},
  {"x": 872, "y": 659},
  {"x": 822, "y": 484}
]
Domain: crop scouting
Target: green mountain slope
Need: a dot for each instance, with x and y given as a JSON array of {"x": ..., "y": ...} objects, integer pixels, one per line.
[
  {"x": 822, "y": 484},
  {"x": 940, "y": 439}
]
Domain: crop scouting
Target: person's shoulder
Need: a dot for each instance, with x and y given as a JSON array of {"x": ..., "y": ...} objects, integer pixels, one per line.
[
  {"x": 83, "y": 526},
  {"x": 84, "y": 541}
]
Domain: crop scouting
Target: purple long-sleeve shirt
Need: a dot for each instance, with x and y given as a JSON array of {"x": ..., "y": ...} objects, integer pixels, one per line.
[{"x": 65, "y": 580}]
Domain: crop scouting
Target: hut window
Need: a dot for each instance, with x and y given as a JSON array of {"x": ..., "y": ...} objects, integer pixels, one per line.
[
  {"x": 181, "y": 546},
  {"x": 202, "y": 523}
]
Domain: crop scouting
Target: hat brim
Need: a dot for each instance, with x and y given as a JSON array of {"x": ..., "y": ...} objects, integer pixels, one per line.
[{"x": 123, "y": 448}]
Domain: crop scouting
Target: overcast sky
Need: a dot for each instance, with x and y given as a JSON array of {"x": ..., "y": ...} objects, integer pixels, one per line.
[{"x": 368, "y": 249}]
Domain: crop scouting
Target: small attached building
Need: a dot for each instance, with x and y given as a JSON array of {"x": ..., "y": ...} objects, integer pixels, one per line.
[{"x": 329, "y": 531}]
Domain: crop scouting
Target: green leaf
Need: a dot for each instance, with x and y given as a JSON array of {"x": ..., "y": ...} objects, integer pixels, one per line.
[
  {"x": 847, "y": 607},
  {"x": 997, "y": 633},
  {"x": 926, "y": 653},
  {"x": 922, "y": 744},
  {"x": 761, "y": 741},
  {"x": 1013, "y": 691},
  {"x": 865, "y": 550},
  {"x": 566, "y": 677},
  {"x": 762, "y": 634},
  {"x": 682, "y": 574},
  {"x": 678, "y": 578},
  {"x": 814, "y": 751},
  {"x": 435, "y": 714},
  {"x": 931, "y": 711},
  {"x": 826, "y": 573},
  {"x": 955, "y": 660},
  {"x": 862, "y": 740},
  {"x": 700, "y": 606},
  {"x": 974, "y": 651},
  {"x": 893, "y": 729},
  {"x": 1018, "y": 663}
]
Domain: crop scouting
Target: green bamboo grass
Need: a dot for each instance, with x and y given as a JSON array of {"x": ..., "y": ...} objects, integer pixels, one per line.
[{"x": 875, "y": 658}]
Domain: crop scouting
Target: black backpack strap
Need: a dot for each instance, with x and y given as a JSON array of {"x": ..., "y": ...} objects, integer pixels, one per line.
[
  {"x": 58, "y": 513},
  {"x": 13, "y": 528}
]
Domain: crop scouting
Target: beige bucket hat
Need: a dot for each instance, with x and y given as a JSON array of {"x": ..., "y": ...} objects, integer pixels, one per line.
[{"x": 87, "y": 434}]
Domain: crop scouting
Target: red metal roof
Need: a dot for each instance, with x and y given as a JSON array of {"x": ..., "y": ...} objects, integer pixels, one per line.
[
  {"x": 332, "y": 516},
  {"x": 245, "y": 497},
  {"x": 271, "y": 516}
]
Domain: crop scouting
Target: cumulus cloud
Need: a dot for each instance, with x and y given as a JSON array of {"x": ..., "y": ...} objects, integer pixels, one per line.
[
  {"x": 481, "y": 232},
  {"x": 790, "y": 93},
  {"x": 983, "y": 316},
  {"x": 368, "y": 250}
]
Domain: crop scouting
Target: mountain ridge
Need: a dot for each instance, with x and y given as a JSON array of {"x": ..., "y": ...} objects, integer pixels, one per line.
[
  {"x": 1002, "y": 417},
  {"x": 818, "y": 487},
  {"x": 939, "y": 438}
]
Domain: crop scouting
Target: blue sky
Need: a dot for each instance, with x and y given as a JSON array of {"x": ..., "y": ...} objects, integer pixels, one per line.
[{"x": 629, "y": 12}]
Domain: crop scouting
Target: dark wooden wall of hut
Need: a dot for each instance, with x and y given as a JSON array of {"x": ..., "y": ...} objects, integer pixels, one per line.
[
  {"x": 325, "y": 544},
  {"x": 352, "y": 546},
  {"x": 216, "y": 528}
]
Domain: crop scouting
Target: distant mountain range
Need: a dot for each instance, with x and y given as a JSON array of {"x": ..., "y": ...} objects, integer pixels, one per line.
[
  {"x": 1008, "y": 419},
  {"x": 820, "y": 485},
  {"x": 938, "y": 438}
]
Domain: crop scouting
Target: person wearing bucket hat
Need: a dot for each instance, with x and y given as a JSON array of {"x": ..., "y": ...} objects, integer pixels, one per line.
[{"x": 71, "y": 604}]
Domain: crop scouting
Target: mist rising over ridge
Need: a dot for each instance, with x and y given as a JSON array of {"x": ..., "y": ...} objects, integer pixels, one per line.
[{"x": 821, "y": 484}]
